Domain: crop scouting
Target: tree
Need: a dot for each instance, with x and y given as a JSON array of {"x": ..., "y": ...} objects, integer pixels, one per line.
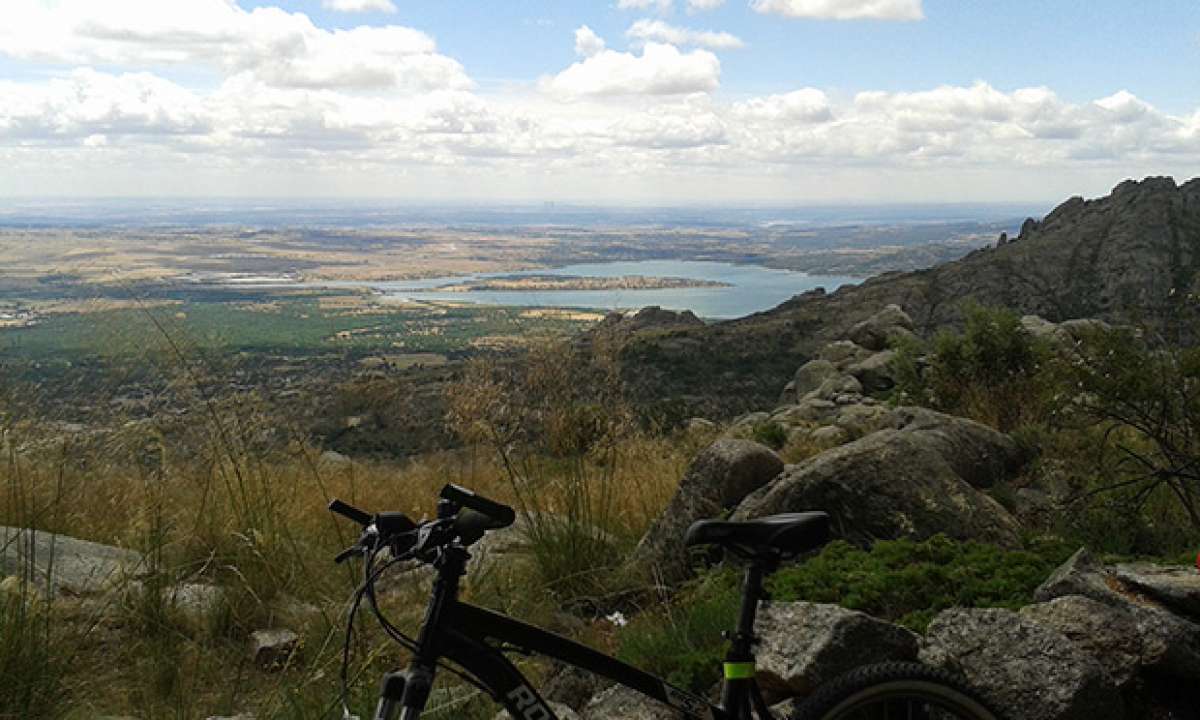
[{"x": 1147, "y": 398}]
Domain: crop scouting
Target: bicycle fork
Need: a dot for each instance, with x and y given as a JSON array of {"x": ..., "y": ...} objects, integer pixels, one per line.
[{"x": 405, "y": 693}]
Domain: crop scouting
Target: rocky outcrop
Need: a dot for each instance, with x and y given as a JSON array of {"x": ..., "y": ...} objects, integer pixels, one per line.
[
  {"x": 1063, "y": 333},
  {"x": 1153, "y": 600},
  {"x": 1107, "y": 633},
  {"x": 916, "y": 481},
  {"x": 883, "y": 329},
  {"x": 70, "y": 566},
  {"x": 650, "y": 317},
  {"x": 858, "y": 364},
  {"x": 1032, "y": 671},
  {"x": 717, "y": 479},
  {"x": 1117, "y": 258},
  {"x": 806, "y": 644}
]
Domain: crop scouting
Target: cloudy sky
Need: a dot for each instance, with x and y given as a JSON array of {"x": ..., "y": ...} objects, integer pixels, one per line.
[{"x": 625, "y": 101}]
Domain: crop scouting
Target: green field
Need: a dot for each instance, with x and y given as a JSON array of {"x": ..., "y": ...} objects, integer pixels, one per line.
[{"x": 285, "y": 325}]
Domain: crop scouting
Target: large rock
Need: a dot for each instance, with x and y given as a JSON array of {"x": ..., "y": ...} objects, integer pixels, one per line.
[
  {"x": 843, "y": 352},
  {"x": 1082, "y": 575},
  {"x": 1176, "y": 588},
  {"x": 859, "y": 420},
  {"x": 1169, "y": 645},
  {"x": 875, "y": 373},
  {"x": 810, "y": 375},
  {"x": 813, "y": 410},
  {"x": 717, "y": 479},
  {"x": 833, "y": 387},
  {"x": 73, "y": 567},
  {"x": 1107, "y": 633},
  {"x": 882, "y": 329},
  {"x": 1032, "y": 671},
  {"x": 1067, "y": 332},
  {"x": 915, "y": 481},
  {"x": 806, "y": 644}
]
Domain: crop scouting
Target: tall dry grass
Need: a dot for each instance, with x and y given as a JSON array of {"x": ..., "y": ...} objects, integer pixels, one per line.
[{"x": 226, "y": 493}]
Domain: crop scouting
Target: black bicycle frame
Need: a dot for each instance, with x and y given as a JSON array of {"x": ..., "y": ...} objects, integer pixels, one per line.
[{"x": 476, "y": 639}]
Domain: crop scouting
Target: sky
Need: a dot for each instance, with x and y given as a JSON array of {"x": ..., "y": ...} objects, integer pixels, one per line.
[{"x": 625, "y": 102}]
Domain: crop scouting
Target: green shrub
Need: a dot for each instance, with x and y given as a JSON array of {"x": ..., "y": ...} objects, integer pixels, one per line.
[
  {"x": 908, "y": 581},
  {"x": 771, "y": 434},
  {"x": 992, "y": 372}
]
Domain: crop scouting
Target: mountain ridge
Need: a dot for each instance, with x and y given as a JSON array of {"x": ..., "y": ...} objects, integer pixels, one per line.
[{"x": 1132, "y": 256}]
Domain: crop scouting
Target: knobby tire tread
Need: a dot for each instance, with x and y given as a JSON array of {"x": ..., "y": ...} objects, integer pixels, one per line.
[{"x": 833, "y": 693}]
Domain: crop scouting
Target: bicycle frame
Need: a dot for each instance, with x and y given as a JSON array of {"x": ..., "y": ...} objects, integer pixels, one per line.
[{"x": 476, "y": 639}]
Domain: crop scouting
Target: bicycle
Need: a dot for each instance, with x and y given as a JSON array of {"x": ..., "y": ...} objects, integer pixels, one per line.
[{"x": 476, "y": 639}]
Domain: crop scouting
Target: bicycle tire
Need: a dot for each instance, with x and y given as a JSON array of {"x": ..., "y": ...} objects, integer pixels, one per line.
[{"x": 854, "y": 694}]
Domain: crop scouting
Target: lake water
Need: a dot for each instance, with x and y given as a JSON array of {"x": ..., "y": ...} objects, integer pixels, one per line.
[{"x": 752, "y": 288}]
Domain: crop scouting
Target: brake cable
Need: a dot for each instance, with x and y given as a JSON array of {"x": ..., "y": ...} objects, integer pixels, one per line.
[{"x": 367, "y": 589}]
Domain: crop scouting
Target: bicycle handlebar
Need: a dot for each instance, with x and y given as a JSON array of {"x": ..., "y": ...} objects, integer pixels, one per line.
[
  {"x": 469, "y": 517},
  {"x": 502, "y": 515}
]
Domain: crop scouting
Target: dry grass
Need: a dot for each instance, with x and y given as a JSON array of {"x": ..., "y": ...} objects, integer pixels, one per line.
[{"x": 229, "y": 495}]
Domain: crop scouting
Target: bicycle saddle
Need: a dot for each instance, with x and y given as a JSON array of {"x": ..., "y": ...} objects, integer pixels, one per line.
[{"x": 775, "y": 536}]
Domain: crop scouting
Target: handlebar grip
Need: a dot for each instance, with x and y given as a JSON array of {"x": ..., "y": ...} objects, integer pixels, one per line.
[
  {"x": 351, "y": 512},
  {"x": 471, "y": 525},
  {"x": 500, "y": 513}
]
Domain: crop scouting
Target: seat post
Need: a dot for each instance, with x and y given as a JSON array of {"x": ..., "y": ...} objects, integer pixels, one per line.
[{"x": 739, "y": 661}]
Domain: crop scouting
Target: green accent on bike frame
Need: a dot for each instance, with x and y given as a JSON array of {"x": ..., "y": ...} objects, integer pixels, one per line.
[{"x": 739, "y": 671}]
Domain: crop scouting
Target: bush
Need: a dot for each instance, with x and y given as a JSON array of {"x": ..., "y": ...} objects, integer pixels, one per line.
[
  {"x": 771, "y": 434},
  {"x": 993, "y": 372},
  {"x": 908, "y": 582}
]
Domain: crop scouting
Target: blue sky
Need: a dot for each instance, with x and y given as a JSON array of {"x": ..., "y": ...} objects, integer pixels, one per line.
[
  {"x": 1083, "y": 48},
  {"x": 910, "y": 100}
]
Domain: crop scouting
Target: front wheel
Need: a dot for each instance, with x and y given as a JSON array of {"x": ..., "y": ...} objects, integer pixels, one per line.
[{"x": 895, "y": 691}]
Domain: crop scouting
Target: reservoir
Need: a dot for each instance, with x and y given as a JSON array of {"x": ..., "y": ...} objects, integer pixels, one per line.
[{"x": 748, "y": 288}]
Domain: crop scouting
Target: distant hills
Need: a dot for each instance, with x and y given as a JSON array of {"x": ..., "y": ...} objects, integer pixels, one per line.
[{"x": 1130, "y": 257}]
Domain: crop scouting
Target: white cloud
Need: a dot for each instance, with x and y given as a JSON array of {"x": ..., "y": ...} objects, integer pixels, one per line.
[
  {"x": 386, "y": 6},
  {"x": 659, "y": 70},
  {"x": 842, "y": 9},
  {"x": 374, "y": 110},
  {"x": 587, "y": 42},
  {"x": 662, "y": 6},
  {"x": 805, "y": 105},
  {"x": 282, "y": 48},
  {"x": 658, "y": 31},
  {"x": 669, "y": 130},
  {"x": 87, "y": 104},
  {"x": 704, "y": 4}
]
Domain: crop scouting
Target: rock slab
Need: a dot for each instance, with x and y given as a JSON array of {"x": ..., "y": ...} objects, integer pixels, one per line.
[
  {"x": 807, "y": 644},
  {"x": 70, "y": 566},
  {"x": 1032, "y": 671}
]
